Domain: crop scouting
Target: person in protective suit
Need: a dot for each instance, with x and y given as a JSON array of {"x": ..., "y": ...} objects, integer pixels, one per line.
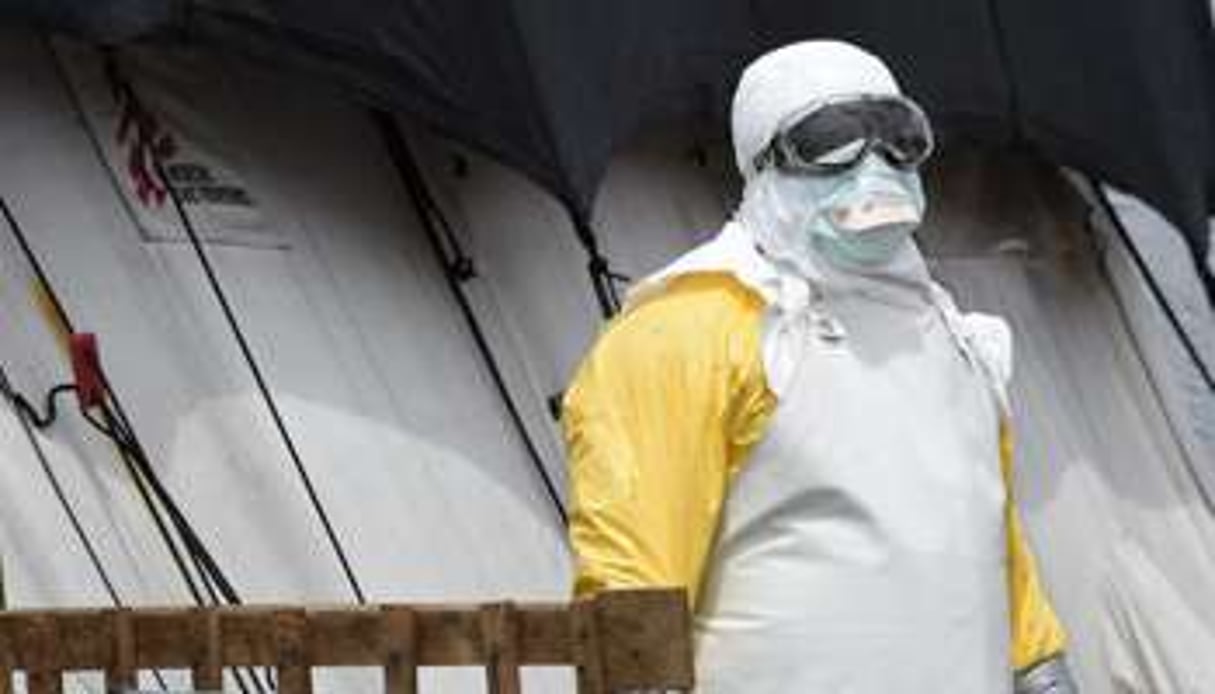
[{"x": 796, "y": 424}]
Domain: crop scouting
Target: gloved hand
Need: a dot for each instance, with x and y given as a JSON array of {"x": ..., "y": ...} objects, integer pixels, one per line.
[{"x": 1051, "y": 676}]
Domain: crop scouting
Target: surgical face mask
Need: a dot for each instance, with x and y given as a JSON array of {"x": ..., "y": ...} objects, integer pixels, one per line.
[{"x": 859, "y": 219}]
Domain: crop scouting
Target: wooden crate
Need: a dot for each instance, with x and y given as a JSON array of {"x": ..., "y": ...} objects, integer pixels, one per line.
[{"x": 620, "y": 640}]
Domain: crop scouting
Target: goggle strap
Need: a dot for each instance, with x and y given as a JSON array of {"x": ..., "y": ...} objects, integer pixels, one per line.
[{"x": 767, "y": 156}]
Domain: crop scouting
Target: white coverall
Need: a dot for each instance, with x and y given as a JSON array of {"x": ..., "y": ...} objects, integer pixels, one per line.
[{"x": 820, "y": 454}]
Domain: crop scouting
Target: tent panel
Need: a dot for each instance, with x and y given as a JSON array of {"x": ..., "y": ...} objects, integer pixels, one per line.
[{"x": 377, "y": 378}]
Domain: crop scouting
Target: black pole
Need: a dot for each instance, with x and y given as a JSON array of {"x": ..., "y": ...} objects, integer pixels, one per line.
[
  {"x": 124, "y": 91},
  {"x": 454, "y": 273},
  {"x": 267, "y": 397}
]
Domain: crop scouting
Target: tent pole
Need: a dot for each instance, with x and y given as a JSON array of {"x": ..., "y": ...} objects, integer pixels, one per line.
[
  {"x": 455, "y": 272},
  {"x": 602, "y": 278},
  {"x": 259, "y": 379}
]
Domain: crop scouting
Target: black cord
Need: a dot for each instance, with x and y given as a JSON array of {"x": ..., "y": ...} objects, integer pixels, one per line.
[
  {"x": 263, "y": 388},
  {"x": 134, "y": 458},
  {"x": 42, "y": 421},
  {"x": 128, "y": 443},
  {"x": 141, "y": 485},
  {"x": 12, "y": 396},
  {"x": 221, "y": 298},
  {"x": 129, "y": 447},
  {"x": 28, "y": 252},
  {"x": 150, "y": 488},
  {"x": 433, "y": 220},
  {"x": 23, "y": 411}
]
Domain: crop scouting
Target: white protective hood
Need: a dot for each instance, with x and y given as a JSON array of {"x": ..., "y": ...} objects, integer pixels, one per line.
[{"x": 764, "y": 250}]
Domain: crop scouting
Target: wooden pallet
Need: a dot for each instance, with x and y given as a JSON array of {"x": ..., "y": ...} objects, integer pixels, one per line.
[{"x": 620, "y": 640}]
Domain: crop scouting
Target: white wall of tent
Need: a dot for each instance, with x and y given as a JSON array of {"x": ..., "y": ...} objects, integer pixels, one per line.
[{"x": 409, "y": 445}]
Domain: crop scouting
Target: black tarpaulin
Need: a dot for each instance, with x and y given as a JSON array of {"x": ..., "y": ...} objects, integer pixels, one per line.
[{"x": 1122, "y": 89}]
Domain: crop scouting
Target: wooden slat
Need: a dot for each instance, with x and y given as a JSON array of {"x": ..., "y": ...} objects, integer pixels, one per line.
[
  {"x": 545, "y": 637},
  {"x": 398, "y": 644},
  {"x": 500, "y": 644},
  {"x": 9, "y": 645},
  {"x": 8, "y": 640},
  {"x": 206, "y": 672},
  {"x": 294, "y": 654},
  {"x": 627, "y": 639},
  {"x": 447, "y": 637},
  {"x": 43, "y": 675},
  {"x": 247, "y": 636},
  {"x": 12, "y": 639},
  {"x": 347, "y": 636},
  {"x": 587, "y": 660},
  {"x": 645, "y": 639},
  {"x": 164, "y": 637},
  {"x": 120, "y": 673},
  {"x": 85, "y": 638}
]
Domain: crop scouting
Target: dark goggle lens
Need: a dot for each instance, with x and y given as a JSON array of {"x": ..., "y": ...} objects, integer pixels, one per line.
[
  {"x": 824, "y": 131},
  {"x": 837, "y": 135},
  {"x": 903, "y": 132}
]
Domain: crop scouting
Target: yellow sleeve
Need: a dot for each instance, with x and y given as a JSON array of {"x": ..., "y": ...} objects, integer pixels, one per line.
[
  {"x": 1037, "y": 633},
  {"x": 659, "y": 417}
]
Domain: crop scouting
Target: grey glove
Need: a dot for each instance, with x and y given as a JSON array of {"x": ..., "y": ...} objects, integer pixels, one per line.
[{"x": 1051, "y": 676}]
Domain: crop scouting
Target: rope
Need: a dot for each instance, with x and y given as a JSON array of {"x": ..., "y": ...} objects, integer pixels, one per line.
[
  {"x": 77, "y": 528},
  {"x": 19, "y": 407},
  {"x": 42, "y": 421},
  {"x": 134, "y": 458}
]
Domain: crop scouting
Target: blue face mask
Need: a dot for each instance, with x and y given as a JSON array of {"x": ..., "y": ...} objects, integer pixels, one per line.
[{"x": 859, "y": 218}]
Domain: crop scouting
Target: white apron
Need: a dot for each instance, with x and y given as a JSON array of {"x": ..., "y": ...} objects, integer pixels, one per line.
[{"x": 862, "y": 547}]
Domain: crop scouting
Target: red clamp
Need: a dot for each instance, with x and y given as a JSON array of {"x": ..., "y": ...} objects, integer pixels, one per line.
[{"x": 86, "y": 368}]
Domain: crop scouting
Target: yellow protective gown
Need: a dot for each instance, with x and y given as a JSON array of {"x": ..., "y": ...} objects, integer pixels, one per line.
[{"x": 654, "y": 444}]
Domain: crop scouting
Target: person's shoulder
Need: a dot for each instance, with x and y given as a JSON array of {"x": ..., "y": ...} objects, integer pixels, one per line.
[
  {"x": 702, "y": 317},
  {"x": 696, "y": 328},
  {"x": 702, "y": 298},
  {"x": 691, "y": 313}
]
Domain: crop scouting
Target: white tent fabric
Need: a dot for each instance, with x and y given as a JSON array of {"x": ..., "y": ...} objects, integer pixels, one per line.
[
  {"x": 1185, "y": 394},
  {"x": 1158, "y": 631},
  {"x": 409, "y": 445},
  {"x": 531, "y": 292},
  {"x": 378, "y": 380}
]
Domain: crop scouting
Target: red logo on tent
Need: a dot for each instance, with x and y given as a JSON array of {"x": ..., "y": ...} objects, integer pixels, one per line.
[{"x": 146, "y": 141}]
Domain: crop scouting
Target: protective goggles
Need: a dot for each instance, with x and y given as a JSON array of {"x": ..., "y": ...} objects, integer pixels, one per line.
[{"x": 830, "y": 137}]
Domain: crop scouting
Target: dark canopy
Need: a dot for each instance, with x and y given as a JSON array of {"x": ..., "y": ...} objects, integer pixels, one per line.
[{"x": 1122, "y": 89}]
